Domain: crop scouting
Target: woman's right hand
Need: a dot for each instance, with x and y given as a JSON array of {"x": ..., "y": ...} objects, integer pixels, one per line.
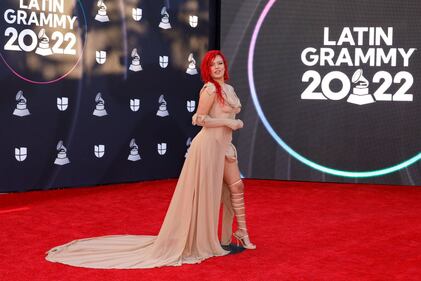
[{"x": 236, "y": 124}]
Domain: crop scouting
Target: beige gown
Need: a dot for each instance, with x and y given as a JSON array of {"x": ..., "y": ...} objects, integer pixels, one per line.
[{"x": 189, "y": 233}]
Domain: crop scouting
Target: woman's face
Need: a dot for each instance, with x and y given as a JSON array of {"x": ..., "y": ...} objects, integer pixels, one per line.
[{"x": 217, "y": 68}]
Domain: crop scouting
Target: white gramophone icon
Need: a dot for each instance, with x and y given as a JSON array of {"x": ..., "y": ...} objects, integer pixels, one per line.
[
  {"x": 135, "y": 65},
  {"x": 61, "y": 155},
  {"x": 21, "y": 109},
  {"x": 44, "y": 44},
  {"x": 100, "y": 106},
  {"x": 193, "y": 21},
  {"x": 360, "y": 93},
  {"x": 165, "y": 20},
  {"x": 102, "y": 12},
  {"x": 188, "y": 143},
  {"x": 162, "y": 111},
  {"x": 134, "y": 151},
  {"x": 192, "y": 66}
]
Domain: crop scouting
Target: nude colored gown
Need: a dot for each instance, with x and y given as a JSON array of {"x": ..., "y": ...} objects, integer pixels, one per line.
[{"x": 189, "y": 231}]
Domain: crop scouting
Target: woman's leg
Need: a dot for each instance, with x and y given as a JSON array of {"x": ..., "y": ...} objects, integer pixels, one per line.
[
  {"x": 227, "y": 215},
  {"x": 236, "y": 186}
]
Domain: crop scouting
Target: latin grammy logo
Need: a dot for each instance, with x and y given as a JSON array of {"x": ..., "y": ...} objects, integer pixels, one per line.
[
  {"x": 162, "y": 111},
  {"x": 193, "y": 21},
  {"x": 44, "y": 44},
  {"x": 163, "y": 61},
  {"x": 137, "y": 14},
  {"x": 62, "y": 103},
  {"x": 162, "y": 148},
  {"x": 21, "y": 153},
  {"x": 21, "y": 109},
  {"x": 101, "y": 57},
  {"x": 102, "y": 12},
  {"x": 165, "y": 20},
  {"x": 61, "y": 155},
  {"x": 99, "y": 150},
  {"x": 360, "y": 94},
  {"x": 192, "y": 66},
  {"x": 135, "y": 65},
  {"x": 134, "y": 105},
  {"x": 134, "y": 151},
  {"x": 100, "y": 110},
  {"x": 191, "y": 105},
  {"x": 188, "y": 143}
]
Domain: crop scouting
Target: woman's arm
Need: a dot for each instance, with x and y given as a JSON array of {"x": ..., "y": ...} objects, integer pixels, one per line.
[{"x": 201, "y": 117}]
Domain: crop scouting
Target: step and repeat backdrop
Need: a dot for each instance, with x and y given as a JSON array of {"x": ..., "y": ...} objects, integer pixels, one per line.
[
  {"x": 331, "y": 89},
  {"x": 96, "y": 92}
]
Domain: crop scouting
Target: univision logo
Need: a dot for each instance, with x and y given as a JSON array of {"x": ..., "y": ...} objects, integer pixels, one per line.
[
  {"x": 99, "y": 150},
  {"x": 101, "y": 57},
  {"x": 163, "y": 61},
  {"x": 137, "y": 14},
  {"x": 134, "y": 105},
  {"x": 191, "y": 105},
  {"x": 162, "y": 148},
  {"x": 62, "y": 103},
  {"x": 21, "y": 153}
]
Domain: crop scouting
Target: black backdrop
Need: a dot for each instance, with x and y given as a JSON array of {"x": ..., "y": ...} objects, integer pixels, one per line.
[{"x": 30, "y": 153}]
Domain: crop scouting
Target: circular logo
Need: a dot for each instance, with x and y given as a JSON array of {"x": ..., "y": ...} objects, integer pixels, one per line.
[
  {"x": 336, "y": 86},
  {"x": 43, "y": 41}
]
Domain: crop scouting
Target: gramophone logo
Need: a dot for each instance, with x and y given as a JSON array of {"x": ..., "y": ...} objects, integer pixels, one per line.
[
  {"x": 193, "y": 21},
  {"x": 44, "y": 44},
  {"x": 162, "y": 111},
  {"x": 188, "y": 143},
  {"x": 360, "y": 94},
  {"x": 21, "y": 109},
  {"x": 191, "y": 105},
  {"x": 61, "y": 155},
  {"x": 135, "y": 65},
  {"x": 135, "y": 105},
  {"x": 192, "y": 66},
  {"x": 163, "y": 61},
  {"x": 137, "y": 14},
  {"x": 101, "y": 57},
  {"x": 62, "y": 103},
  {"x": 165, "y": 20},
  {"x": 99, "y": 150},
  {"x": 134, "y": 151},
  {"x": 162, "y": 148},
  {"x": 21, "y": 153},
  {"x": 102, "y": 12},
  {"x": 100, "y": 110}
]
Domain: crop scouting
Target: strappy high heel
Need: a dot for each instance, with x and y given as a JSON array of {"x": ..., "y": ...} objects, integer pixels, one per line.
[
  {"x": 237, "y": 200},
  {"x": 245, "y": 241}
]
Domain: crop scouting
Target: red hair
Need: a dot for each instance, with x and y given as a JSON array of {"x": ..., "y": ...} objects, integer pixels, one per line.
[{"x": 206, "y": 73}]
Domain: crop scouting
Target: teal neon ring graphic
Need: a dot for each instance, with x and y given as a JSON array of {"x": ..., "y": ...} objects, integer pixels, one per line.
[{"x": 278, "y": 139}]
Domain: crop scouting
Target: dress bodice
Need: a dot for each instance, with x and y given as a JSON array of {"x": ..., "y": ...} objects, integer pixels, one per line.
[{"x": 231, "y": 105}]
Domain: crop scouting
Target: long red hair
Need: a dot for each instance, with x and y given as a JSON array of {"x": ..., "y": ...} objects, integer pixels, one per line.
[{"x": 206, "y": 73}]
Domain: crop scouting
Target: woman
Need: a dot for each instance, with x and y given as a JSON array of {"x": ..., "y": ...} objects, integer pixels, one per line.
[{"x": 211, "y": 160}]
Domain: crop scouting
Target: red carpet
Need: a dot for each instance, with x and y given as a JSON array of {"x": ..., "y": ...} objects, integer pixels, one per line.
[{"x": 303, "y": 231}]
